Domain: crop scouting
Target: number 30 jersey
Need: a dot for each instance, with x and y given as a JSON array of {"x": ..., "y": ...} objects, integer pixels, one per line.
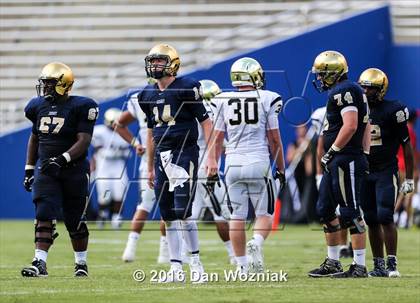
[
  {"x": 388, "y": 130},
  {"x": 245, "y": 117},
  {"x": 57, "y": 124}
]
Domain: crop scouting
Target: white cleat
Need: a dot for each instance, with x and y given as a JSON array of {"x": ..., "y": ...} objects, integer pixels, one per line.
[
  {"x": 174, "y": 275},
  {"x": 196, "y": 272},
  {"x": 255, "y": 257},
  {"x": 232, "y": 260},
  {"x": 394, "y": 274},
  {"x": 129, "y": 253},
  {"x": 242, "y": 269},
  {"x": 116, "y": 222},
  {"x": 163, "y": 257}
]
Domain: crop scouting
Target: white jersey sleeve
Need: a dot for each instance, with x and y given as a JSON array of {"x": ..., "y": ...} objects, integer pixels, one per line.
[
  {"x": 274, "y": 104},
  {"x": 318, "y": 119},
  {"x": 98, "y": 136},
  {"x": 134, "y": 109}
]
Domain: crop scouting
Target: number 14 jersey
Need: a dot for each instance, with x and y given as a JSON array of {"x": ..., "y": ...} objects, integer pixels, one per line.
[{"x": 246, "y": 116}]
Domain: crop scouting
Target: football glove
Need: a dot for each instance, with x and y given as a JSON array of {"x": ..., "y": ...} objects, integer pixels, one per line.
[
  {"x": 29, "y": 179},
  {"x": 52, "y": 166},
  {"x": 212, "y": 181},
  {"x": 282, "y": 178},
  {"x": 326, "y": 158},
  {"x": 407, "y": 186}
]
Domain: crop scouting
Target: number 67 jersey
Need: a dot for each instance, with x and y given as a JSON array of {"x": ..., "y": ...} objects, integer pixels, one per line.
[
  {"x": 245, "y": 117},
  {"x": 57, "y": 124}
]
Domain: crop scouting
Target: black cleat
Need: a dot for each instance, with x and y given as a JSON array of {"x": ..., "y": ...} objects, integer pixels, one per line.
[
  {"x": 355, "y": 271},
  {"x": 37, "y": 269},
  {"x": 80, "y": 270},
  {"x": 326, "y": 269},
  {"x": 378, "y": 268}
]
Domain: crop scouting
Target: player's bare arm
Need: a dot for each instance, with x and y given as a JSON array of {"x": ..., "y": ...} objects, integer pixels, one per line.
[
  {"x": 276, "y": 148},
  {"x": 212, "y": 166},
  {"x": 150, "y": 157},
  {"x": 121, "y": 127},
  {"x": 31, "y": 158},
  {"x": 347, "y": 130},
  {"x": 366, "y": 139}
]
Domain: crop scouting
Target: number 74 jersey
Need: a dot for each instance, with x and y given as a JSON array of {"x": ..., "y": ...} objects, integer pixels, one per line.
[{"x": 246, "y": 116}]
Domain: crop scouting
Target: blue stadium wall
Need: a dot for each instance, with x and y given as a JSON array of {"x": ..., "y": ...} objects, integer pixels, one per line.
[{"x": 364, "y": 39}]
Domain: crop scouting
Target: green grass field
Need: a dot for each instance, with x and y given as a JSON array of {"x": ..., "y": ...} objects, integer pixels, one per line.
[{"x": 296, "y": 249}]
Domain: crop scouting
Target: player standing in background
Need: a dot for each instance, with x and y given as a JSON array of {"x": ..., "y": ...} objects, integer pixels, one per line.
[
  {"x": 346, "y": 137},
  {"x": 109, "y": 163},
  {"x": 148, "y": 200},
  {"x": 379, "y": 192},
  {"x": 249, "y": 116},
  {"x": 318, "y": 120},
  {"x": 213, "y": 198},
  {"x": 172, "y": 107},
  {"x": 61, "y": 134}
]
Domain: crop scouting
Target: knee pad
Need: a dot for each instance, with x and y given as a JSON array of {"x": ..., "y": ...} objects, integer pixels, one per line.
[
  {"x": 328, "y": 227},
  {"x": 355, "y": 225},
  {"x": 79, "y": 233},
  {"x": 385, "y": 216},
  {"x": 50, "y": 231}
]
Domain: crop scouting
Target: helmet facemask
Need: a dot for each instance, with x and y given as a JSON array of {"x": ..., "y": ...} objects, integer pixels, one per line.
[
  {"x": 158, "y": 71},
  {"x": 47, "y": 89},
  {"x": 324, "y": 80}
]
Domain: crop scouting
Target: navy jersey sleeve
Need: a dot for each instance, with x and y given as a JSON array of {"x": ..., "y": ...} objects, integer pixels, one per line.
[
  {"x": 145, "y": 108},
  {"x": 31, "y": 113},
  {"x": 192, "y": 94},
  {"x": 400, "y": 117},
  {"x": 88, "y": 112}
]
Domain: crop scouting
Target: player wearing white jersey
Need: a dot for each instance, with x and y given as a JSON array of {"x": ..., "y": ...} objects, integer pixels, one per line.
[
  {"x": 109, "y": 163},
  {"x": 214, "y": 200},
  {"x": 148, "y": 199},
  {"x": 249, "y": 117}
]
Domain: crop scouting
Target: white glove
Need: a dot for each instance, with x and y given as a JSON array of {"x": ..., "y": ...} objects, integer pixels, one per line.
[
  {"x": 318, "y": 180},
  {"x": 407, "y": 186}
]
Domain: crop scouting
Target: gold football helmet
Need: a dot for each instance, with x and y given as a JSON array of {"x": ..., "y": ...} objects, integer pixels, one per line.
[
  {"x": 209, "y": 89},
  {"x": 247, "y": 72},
  {"x": 328, "y": 67},
  {"x": 111, "y": 115},
  {"x": 55, "y": 78},
  {"x": 167, "y": 53},
  {"x": 374, "y": 77}
]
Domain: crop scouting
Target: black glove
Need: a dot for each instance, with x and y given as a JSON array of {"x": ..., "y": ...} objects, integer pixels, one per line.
[
  {"x": 326, "y": 159},
  {"x": 211, "y": 182},
  {"x": 282, "y": 178},
  {"x": 29, "y": 179},
  {"x": 52, "y": 166}
]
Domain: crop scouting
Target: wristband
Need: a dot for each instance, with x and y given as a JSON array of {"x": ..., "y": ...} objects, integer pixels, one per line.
[
  {"x": 335, "y": 148},
  {"x": 134, "y": 142},
  {"x": 67, "y": 157},
  {"x": 29, "y": 167}
]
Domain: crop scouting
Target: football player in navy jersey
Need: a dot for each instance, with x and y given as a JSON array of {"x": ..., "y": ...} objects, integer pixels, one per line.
[
  {"x": 388, "y": 131},
  {"x": 62, "y": 127},
  {"x": 346, "y": 137},
  {"x": 172, "y": 107}
]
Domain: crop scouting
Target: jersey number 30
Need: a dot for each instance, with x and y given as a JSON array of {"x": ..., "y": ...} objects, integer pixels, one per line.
[
  {"x": 249, "y": 111},
  {"x": 45, "y": 122}
]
